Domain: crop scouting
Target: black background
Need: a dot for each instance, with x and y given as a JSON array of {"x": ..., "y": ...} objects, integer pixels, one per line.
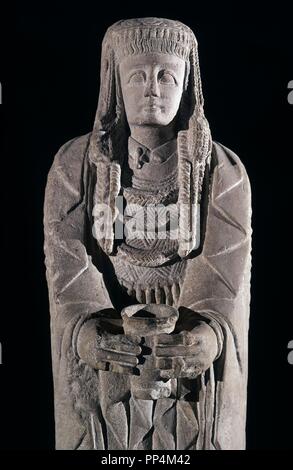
[{"x": 49, "y": 70}]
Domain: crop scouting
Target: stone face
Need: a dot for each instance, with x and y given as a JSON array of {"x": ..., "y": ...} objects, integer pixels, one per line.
[{"x": 147, "y": 246}]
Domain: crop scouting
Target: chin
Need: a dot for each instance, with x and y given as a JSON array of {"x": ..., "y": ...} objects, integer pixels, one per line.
[{"x": 152, "y": 120}]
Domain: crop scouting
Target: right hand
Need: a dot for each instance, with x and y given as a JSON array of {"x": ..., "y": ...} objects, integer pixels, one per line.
[{"x": 104, "y": 350}]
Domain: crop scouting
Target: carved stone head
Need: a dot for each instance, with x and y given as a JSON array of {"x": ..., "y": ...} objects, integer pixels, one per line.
[{"x": 150, "y": 76}]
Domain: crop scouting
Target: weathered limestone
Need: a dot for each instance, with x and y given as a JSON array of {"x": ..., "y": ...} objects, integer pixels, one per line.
[{"x": 147, "y": 244}]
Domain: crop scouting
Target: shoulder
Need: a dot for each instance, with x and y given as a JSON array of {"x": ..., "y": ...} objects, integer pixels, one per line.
[
  {"x": 68, "y": 164},
  {"x": 72, "y": 153},
  {"x": 65, "y": 181},
  {"x": 228, "y": 170}
]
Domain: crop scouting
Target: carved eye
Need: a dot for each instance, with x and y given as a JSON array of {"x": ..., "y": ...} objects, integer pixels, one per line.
[
  {"x": 137, "y": 77},
  {"x": 166, "y": 78}
]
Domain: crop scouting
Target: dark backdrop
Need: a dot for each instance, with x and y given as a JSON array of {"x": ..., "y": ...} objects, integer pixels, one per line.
[{"x": 49, "y": 70}]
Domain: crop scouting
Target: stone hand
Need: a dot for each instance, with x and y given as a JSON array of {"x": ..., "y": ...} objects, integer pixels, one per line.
[
  {"x": 106, "y": 350},
  {"x": 188, "y": 353}
]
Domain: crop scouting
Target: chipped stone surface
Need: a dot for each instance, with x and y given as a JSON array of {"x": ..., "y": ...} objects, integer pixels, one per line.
[{"x": 149, "y": 334}]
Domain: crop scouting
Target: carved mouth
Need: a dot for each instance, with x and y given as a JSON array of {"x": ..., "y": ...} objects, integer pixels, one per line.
[
  {"x": 152, "y": 107},
  {"x": 152, "y": 104}
]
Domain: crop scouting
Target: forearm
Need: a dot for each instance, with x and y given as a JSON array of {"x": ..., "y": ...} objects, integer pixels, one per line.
[{"x": 88, "y": 341}]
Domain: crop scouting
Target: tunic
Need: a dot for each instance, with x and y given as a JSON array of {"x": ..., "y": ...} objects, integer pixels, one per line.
[{"x": 93, "y": 410}]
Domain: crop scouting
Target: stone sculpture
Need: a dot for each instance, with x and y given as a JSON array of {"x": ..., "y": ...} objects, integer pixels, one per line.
[{"x": 149, "y": 329}]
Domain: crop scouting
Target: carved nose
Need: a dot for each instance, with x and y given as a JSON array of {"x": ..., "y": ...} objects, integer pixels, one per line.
[{"x": 152, "y": 88}]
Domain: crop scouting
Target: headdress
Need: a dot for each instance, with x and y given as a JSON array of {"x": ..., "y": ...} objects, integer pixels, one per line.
[{"x": 108, "y": 140}]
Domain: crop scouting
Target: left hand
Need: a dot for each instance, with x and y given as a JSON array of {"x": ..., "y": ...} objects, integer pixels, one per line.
[{"x": 188, "y": 353}]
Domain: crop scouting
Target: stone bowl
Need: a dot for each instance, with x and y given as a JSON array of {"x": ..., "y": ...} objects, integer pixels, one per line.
[{"x": 149, "y": 319}]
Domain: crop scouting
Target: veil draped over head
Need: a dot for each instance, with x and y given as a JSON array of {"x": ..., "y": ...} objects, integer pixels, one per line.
[{"x": 108, "y": 146}]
